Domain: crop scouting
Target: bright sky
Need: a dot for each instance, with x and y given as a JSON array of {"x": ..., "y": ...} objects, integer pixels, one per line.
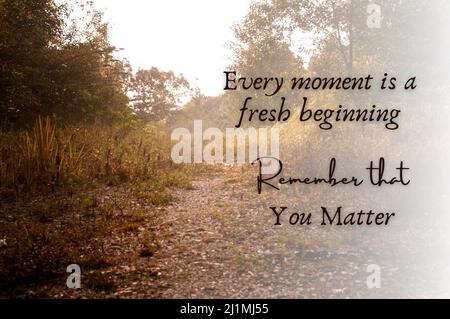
[{"x": 187, "y": 37}]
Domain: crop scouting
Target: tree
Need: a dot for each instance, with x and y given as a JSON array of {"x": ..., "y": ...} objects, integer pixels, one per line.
[
  {"x": 51, "y": 65},
  {"x": 260, "y": 49},
  {"x": 339, "y": 38},
  {"x": 340, "y": 35},
  {"x": 156, "y": 93}
]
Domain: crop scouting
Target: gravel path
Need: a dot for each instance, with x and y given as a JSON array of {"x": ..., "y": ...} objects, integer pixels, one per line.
[{"x": 218, "y": 240}]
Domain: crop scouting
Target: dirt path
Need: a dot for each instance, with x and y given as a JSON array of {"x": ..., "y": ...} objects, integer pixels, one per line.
[{"x": 218, "y": 241}]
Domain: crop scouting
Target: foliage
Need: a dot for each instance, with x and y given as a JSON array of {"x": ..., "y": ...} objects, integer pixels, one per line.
[
  {"x": 49, "y": 157},
  {"x": 57, "y": 197},
  {"x": 49, "y": 65},
  {"x": 156, "y": 93}
]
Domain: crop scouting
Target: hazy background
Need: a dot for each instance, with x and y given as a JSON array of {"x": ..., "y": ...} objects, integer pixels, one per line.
[
  {"x": 85, "y": 136},
  {"x": 189, "y": 37}
]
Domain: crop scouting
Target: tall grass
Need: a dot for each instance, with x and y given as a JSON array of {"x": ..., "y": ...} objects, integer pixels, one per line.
[
  {"x": 47, "y": 157},
  {"x": 38, "y": 158},
  {"x": 44, "y": 158},
  {"x": 42, "y": 237}
]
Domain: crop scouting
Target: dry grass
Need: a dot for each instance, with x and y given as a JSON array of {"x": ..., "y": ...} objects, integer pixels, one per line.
[
  {"x": 54, "y": 209},
  {"x": 38, "y": 158},
  {"x": 48, "y": 157}
]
